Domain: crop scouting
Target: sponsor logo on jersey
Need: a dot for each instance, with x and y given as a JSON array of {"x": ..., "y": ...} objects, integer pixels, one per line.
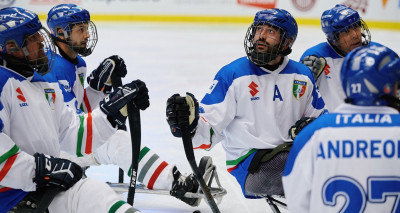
[
  {"x": 253, "y": 91},
  {"x": 21, "y": 97},
  {"x": 65, "y": 85},
  {"x": 327, "y": 71},
  {"x": 50, "y": 96},
  {"x": 299, "y": 88},
  {"x": 212, "y": 87}
]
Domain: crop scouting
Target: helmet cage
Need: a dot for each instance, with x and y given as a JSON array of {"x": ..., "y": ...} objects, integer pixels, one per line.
[
  {"x": 17, "y": 25},
  {"x": 263, "y": 58},
  {"x": 365, "y": 34},
  {"x": 75, "y": 45},
  {"x": 43, "y": 58}
]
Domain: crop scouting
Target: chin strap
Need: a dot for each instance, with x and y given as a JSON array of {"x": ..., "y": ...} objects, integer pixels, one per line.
[{"x": 62, "y": 53}]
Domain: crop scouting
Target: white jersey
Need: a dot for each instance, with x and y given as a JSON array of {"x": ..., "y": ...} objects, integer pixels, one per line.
[
  {"x": 249, "y": 108},
  {"x": 347, "y": 161},
  {"x": 329, "y": 83},
  {"x": 34, "y": 118}
]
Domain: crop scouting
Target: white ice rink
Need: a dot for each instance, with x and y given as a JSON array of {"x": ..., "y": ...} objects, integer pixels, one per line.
[{"x": 175, "y": 58}]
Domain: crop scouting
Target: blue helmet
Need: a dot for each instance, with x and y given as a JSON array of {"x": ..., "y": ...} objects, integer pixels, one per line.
[
  {"x": 341, "y": 18},
  {"x": 369, "y": 76},
  {"x": 277, "y": 18},
  {"x": 64, "y": 17},
  {"x": 16, "y": 26}
]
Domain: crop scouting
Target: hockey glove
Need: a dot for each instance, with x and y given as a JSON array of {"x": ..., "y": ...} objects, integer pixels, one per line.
[
  {"x": 100, "y": 79},
  {"x": 51, "y": 171},
  {"x": 114, "y": 102},
  {"x": 299, "y": 125},
  {"x": 141, "y": 101},
  {"x": 316, "y": 65},
  {"x": 182, "y": 111},
  {"x": 114, "y": 105}
]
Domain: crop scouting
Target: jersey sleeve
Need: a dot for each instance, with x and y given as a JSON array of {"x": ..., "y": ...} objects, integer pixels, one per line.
[
  {"x": 316, "y": 51},
  {"x": 91, "y": 99},
  {"x": 316, "y": 105},
  {"x": 81, "y": 132},
  {"x": 217, "y": 110},
  {"x": 16, "y": 167}
]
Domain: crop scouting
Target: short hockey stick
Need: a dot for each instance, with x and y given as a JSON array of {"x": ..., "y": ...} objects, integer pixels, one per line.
[
  {"x": 187, "y": 144},
  {"x": 135, "y": 128},
  {"x": 49, "y": 195}
]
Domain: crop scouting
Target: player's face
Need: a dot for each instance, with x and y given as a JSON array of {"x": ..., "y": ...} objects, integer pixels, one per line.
[
  {"x": 80, "y": 35},
  {"x": 266, "y": 38},
  {"x": 34, "y": 48},
  {"x": 349, "y": 39}
]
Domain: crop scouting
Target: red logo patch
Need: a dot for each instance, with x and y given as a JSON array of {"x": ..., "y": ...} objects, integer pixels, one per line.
[
  {"x": 326, "y": 69},
  {"x": 253, "y": 86},
  {"x": 21, "y": 95}
]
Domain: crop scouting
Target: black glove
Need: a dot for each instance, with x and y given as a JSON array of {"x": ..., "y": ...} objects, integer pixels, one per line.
[
  {"x": 141, "y": 100},
  {"x": 58, "y": 172},
  {"x": 316, "y": 65},
  {"x": 114, "y": 102},
  {"x": 120, "y": 67},
  {"x": 299, "y": 125},
  {"x": 100, "y": 80},
  {"x": 182, "y": 111}
]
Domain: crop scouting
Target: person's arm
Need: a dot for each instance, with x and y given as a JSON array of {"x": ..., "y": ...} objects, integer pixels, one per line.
[{"x": 80, "y": 132}]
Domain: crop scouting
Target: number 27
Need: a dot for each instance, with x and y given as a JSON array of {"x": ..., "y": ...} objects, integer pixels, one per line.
[{"x": 378, "y": 188}]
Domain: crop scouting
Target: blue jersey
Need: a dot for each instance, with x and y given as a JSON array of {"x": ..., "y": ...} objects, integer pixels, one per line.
[
  {"x": 329, "y": 83},
  {"x": 347, "y": 161},
  {"x": 249, "y": 108},
  {"x": 71, "y": 77}
]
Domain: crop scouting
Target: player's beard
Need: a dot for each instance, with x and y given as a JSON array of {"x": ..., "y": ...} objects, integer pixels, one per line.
[
  {"x": 81, "y": 48},
  {"x": 42, "y": 62},
  {"x": 264, "y": 52}
]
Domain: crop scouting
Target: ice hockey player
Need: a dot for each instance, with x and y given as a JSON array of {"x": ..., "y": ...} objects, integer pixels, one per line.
[
  {"x": 251, "y": 104},
  {"x": 344, "y": 30},
  {"x": 75, "y": 35},
  {"x": 35, "y": 122},
  {"x": 347, "y": 161}
]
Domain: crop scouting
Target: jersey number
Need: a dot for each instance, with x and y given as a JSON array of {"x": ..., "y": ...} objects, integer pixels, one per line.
[
  {"x": 356, "y": 88},
  {"x": 378, "y": 189}
]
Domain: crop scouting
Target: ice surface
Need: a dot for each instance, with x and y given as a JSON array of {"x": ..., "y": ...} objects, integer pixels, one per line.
[{"x": 176, "y": 58}]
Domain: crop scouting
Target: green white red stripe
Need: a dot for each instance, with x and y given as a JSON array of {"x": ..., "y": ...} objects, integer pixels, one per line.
[{"x": 8, "y": 158}]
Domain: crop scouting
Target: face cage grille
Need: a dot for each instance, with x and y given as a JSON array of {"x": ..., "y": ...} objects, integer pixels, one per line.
[
  {"x": 90, "y": 43},
  {"x": 45, "y": 56},
  {"x": 262, "y": 58},
  {"x": 365, "y": 34}
]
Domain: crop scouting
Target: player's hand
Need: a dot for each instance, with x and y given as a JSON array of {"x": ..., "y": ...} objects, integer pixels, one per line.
[
  {"x": 120, "y": 67},
  {"x": 299, "y": 125},
  {"x": 51, "y": 171},
  {"x": 182, "y": 111},
  {"x": 315, "y": 63},
  {"x": 114, "y": 104},
  {"x": 141, "y": 101},
  {"x": 100, "y": 78}
]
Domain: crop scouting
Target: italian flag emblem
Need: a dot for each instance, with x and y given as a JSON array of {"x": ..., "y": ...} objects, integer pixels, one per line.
[
  {"x": 50, "y": 96},
  {"x": 299, "y": 88}
]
